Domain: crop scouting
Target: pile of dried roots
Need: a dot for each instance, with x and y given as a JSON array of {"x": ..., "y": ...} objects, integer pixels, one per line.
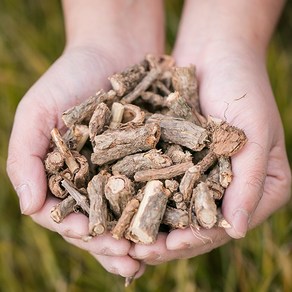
[{"x": 141, "y": 157}]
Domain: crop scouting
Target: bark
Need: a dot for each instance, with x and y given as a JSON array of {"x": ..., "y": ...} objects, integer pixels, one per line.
[
  {"x": 193, "y": 175},
  {"x": 204, "y": 206},
  {"x": 118, "y": 190},
  {"x": 162, "y": 173},
  {"x": 54, "y": 162},
  {"x": 80, "y": 199},
  {"x": 99, "y": 121},
  {"x": 225, "y": 172},
  {"x": 145, "y": 225},
  {"x": 125, "y": 219},
  {"x": 65, "y": 151},
  {"x": 180, "y": 131},
  {"x": 127, "y": 80},
  {"x": 116, "y": 144},
  {"x": 98, "y": 208},
  {"x": 63, "y": 209},
  {"x": 175, "y": 218},
  {"x": 152, "y": 159},
  {"x": 83, "y": 111}
]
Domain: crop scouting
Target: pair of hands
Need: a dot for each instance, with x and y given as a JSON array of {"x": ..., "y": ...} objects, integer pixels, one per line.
[{"x": 226, "y": 73}]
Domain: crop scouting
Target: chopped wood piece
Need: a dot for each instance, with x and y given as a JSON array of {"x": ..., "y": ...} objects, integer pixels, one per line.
[
  {"x": 81, "y": 177},
  {"x": 65, "y": 151},
  {"x": 179, "y": 107},
  {"x": 127, "y": 80},
  {"x": 193, "y": 174},
  {"x": 118, "y": 190},
  {"x": 55, "y": 183},
  {"x": 145, "y": 224},
  {"x": 54, "y": 162},
  {"x": 80, "y": 199},
  {"x": 227, "y": 140},
  {"x": 172, "y": 185},
  {"x": 225, "y": 172},
  {"x": 152, "y": 75},
  {"x": 79, "y": 113},
  {"x": 184, "y": 80},
  {"x": 99, "y": 120},
  {"x": 76, "y": 137},
  {"x": 179, "y": 201},
  {"x": 133, "y": 115},
  {"x": 63, "y": 209},
  {"x": 214, "y": 184},
  {"x": 117, "y": 113},
  {"x": 116, "y": 144},
  {"x": 125, "y": 219},
  {"x": 177, "y": 155},
  {"x": 98, "y": 208},
  {"x": 204, "y": 206},
  {"x": 179, "y": 131},
  {"x": 156, "y": 100},
  {"x": 163, "y": 89},
  {"x": 129, "y": 165},
  {"x": 162, "y": 173},
  {"x": 175, "y": 218}
]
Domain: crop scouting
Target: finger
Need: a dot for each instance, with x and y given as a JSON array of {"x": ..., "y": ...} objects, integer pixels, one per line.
[
  {"x": 27, "y": 148},
  {"x": 74, "y": 228},
  {"x": 124, "y": 266},
  {"x": 246, "y": 190}
]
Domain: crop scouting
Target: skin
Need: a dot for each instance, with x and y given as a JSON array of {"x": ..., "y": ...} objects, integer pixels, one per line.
[{"x": 227, "y": 42}]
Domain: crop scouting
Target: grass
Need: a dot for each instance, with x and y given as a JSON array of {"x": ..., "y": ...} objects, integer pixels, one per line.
[{"x": 34, "y": 259}]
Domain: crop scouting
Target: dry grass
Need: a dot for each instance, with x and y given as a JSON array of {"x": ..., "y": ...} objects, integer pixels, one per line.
[{"x": 34, "y": 259}]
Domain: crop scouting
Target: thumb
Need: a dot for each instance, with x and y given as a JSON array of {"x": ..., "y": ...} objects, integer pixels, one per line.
[
  {"x": 246, "y": 190},
  {"x": 27, "y": 147}
]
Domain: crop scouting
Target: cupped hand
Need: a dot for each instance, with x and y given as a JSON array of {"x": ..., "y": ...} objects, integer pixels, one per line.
[
  {"x": 76, "y": 75},
  {"x": 234, "y": 86}
]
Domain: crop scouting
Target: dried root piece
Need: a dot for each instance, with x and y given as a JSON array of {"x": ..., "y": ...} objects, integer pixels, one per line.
[
  {"x": 225, "y": 172},
  {"x": 193, "y": 174},
  {"x": 184, "y": 80},
  {"x": 65, "y": 151},
  {"x": 76, "y": 137},
  {"x": 117, "y": 113},
  {"x": 177, "y": 155},
  {"x": 80, "y": 199},
  {"x": 156, "y": 100},
  {"x": 99, "y": 120},
  {"x": 145, "y": 224},
  {"x": 172, "y": 185},
  {"x": 227, "y": 140},
  {"x": 179, "y": 108},
  {"x": 81, "y": 177},
  {"x": 125, "y": 219},
  {"x": 83, "y": 111},
  {"x": 63, "y": 209},
  {"x": 55, "y": 185},
  {"x": 176, "y": 218},
  {"x": 129, "y": 165},
  {"x": 54, "y": 162},
  {"x": 118, "y": 190},
  {"x": 162, "y": 173},
  {"x": 126, "y": 81},
  {"x": 98, "y": 208},
  {"x": 204, "y": 206},
  {"x": 133, "y": 115},
  {"x": 179, "y": 201},
  {"x": 214, "y": 183},
  {"x": 180, "y": 131},
  {"x": 116, "y": 144}
]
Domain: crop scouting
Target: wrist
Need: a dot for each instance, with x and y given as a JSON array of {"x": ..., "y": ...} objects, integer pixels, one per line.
[
  {"x": 125, "y": 28},
  {"x": 215, "y": 27}
]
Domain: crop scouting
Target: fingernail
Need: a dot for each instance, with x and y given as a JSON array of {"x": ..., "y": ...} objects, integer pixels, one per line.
[
  {"x": 24, "y": 195},
  {"x": 240, "y": 222}
]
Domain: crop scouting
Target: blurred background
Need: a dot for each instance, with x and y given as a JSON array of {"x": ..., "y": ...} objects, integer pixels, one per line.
[{"x": 34, "y": 259}]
